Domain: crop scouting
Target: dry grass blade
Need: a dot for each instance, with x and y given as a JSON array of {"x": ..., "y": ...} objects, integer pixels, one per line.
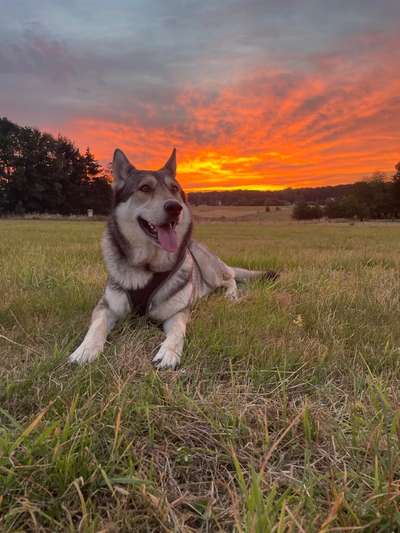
[
  {"x": 276, "y": 443},
  {"x": 332, "y": 513},
  {"x": 32, "y": 426}
]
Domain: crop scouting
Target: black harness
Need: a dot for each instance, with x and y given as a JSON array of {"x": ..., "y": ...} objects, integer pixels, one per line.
[{"x": 139, "y": 299}]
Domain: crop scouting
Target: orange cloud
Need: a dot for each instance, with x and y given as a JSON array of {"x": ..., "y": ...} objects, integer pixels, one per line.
[{"x": 333, "y": 121}]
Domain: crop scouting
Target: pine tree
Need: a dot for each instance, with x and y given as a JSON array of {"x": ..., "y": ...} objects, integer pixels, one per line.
[{"x": 39, "y": 173}]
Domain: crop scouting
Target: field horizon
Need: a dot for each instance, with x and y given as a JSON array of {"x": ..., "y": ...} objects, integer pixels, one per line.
[{"x": 284, "y": 415}]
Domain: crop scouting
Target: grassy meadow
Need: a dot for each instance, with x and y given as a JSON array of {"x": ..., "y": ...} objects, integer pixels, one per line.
[{"x": 283, "y": 417}]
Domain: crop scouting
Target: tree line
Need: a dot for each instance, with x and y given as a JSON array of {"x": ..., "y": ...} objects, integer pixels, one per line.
[
  {"x": 269, "y": 198},
  {"x": 375, "y": 198},
  {"x": 43, "y": 174}
]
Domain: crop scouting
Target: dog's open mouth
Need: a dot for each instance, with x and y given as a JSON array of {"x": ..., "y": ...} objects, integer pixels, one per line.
[{"x": 165, "y": 235}]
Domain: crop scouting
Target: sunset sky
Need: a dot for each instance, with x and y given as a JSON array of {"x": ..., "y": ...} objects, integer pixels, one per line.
[{"x": 253, "y": 93}]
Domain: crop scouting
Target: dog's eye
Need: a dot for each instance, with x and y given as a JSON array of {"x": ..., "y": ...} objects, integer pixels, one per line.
[
  {"x": 174, "y": 188},
  {"x": 145, "y": 188}
]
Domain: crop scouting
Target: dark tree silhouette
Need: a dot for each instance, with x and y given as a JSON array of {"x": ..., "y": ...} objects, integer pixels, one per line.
[
  {"x": 307, "y": 211},
  {"x": 396, "y": 190},
  {"x": 39, "y": 173},
  {"x": 372, "y": 198}
]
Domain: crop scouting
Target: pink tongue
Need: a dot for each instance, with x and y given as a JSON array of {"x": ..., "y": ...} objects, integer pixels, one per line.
[{"x": 167, "y": 238}]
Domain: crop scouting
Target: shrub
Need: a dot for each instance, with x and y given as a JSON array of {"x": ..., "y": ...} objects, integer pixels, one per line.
[
  {"x": 307, "y": 211},
  {"x": 347, "y": 207}
]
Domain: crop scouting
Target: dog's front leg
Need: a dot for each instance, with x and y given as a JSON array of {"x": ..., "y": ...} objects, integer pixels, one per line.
[
  {"x": 169, "y": 354},
  {"x": 113, "y": 306}
]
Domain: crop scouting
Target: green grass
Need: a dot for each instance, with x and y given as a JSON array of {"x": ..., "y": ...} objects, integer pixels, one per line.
[{"x": 283, "y": 417}]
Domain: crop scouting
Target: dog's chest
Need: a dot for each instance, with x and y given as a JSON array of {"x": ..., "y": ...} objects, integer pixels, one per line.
[{"x": 169, "y": 293}]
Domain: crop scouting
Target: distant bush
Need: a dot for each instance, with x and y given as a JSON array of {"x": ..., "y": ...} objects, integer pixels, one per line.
[
  {"x": 307, "y": 211},
  {"x": 348, "y": 207}
]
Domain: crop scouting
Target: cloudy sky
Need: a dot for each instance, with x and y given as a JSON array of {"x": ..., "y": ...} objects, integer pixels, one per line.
[{"x": 253, "y": 93}]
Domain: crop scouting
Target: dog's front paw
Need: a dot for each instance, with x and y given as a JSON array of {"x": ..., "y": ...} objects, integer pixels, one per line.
[
  {"x": 84, "y": 354},
  {"x": 166, "y": 358},
  {"x": 233, "y": 296}
]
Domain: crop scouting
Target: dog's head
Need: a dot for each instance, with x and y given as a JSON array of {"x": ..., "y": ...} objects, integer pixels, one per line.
[{"x": 150, "y": 204}]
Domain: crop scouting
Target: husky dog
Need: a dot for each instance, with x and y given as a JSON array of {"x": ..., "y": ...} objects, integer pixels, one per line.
[{"x": 154, "y": 267}]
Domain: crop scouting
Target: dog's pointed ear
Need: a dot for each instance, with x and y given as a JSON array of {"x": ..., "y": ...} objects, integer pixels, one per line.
[
  {"x": 170, "y": 165},
  {"x": 120, "y": 168}
]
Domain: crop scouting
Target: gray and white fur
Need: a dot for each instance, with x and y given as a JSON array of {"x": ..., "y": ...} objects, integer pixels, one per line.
[{"x": 154, "y": 266}]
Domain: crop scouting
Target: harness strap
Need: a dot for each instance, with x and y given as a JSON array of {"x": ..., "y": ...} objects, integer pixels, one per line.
[{"x": 139, "y": 299}]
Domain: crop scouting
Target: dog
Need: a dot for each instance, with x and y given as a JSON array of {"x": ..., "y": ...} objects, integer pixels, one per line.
[{"x": 154, "y": 266}]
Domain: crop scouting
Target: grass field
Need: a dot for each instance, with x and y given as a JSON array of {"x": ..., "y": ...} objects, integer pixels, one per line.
[{"x": 283, "y": 417}]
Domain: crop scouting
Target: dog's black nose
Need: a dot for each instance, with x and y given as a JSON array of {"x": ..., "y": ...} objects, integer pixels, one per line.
[{"x": 173, "y": 208}]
